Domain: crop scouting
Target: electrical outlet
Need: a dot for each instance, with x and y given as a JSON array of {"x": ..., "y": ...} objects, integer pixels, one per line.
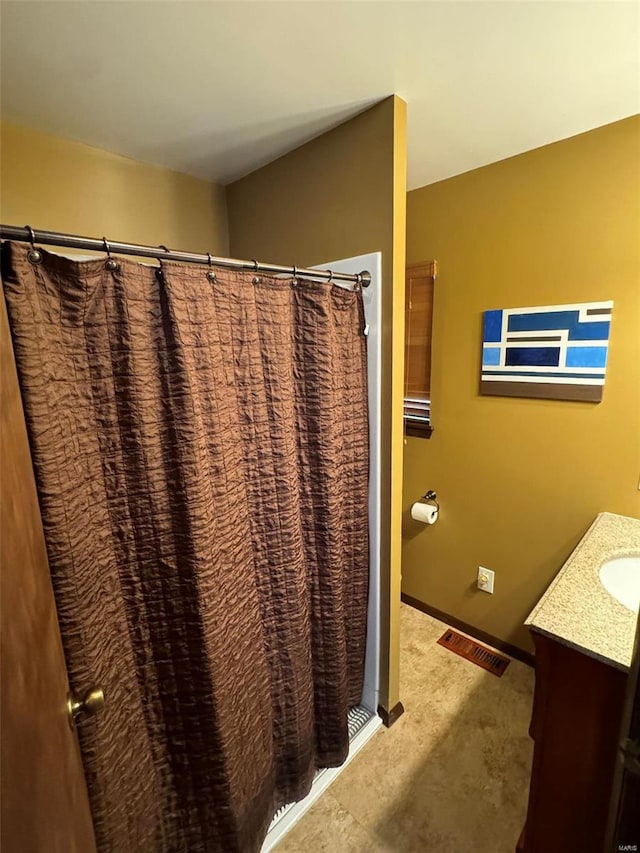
[{"x": 485, "y": 579}]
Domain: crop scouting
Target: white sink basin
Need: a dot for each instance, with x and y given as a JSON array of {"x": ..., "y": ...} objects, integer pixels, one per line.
[{"x": 621, "y": 578}]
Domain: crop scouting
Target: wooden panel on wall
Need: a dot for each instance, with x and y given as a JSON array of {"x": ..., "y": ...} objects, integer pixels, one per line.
[{"x": 418, "y": 321}]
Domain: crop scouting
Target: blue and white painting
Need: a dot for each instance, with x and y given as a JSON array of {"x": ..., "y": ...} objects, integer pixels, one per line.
[{"x": 554, "y": 351}]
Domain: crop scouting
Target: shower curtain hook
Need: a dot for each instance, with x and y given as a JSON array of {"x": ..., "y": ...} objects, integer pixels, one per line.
[
  {"x": 210, "y": 274},
  {"x": 330, "y": 276},
  {"x": 255, "y": 264},
  {"x": 34, "y": 255},
  {"x": 109, "y": 264},
  {"x": 160, "y": 270}
]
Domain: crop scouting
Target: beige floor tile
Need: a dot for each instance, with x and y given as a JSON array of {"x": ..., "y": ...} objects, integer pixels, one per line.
[
  {"x": 328, "y": 828},
  {"x": 451, "y": 776},
  {"x": 373, "y": 785}
]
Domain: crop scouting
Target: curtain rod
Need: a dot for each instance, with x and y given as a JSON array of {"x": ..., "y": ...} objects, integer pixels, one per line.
[{"x": 26, "y": 234}]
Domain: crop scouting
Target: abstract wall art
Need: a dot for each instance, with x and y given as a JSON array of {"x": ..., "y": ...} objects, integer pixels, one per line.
[{"x": 554, "y": 351}]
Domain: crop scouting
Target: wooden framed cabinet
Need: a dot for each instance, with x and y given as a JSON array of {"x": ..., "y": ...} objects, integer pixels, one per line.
[{"x": 575, "y": 726}]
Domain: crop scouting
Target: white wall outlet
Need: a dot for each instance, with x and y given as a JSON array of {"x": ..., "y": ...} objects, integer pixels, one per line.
[{"x": 485, "y": 579}]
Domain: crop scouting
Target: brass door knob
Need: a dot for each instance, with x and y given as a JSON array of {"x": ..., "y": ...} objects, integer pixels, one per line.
[{"x": 91, "y": 703}]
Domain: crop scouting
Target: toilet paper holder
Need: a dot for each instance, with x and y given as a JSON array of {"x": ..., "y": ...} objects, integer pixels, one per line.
[{"x": 430, "y": 497}]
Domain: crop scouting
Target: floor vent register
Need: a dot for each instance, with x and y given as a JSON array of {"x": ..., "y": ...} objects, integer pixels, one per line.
[{"x": 470, "y": 650}]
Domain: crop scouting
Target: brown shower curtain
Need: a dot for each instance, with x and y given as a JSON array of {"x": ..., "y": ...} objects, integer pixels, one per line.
[{"x": 201, "y": 455}]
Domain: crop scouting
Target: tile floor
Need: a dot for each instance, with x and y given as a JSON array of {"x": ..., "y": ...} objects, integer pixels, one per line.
[{"x": 452, "y": 774}]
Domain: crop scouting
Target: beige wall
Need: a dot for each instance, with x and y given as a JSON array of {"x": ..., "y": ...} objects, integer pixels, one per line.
[
  {"x": 340, "y": 195},
  {"x": 58, "y": 185},
  {"x": 521, "y": 480}
]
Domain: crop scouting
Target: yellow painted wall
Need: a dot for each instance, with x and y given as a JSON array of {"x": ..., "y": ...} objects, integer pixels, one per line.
[
  {"x": 520, "y": 480},
  {"x": 58, "y": 185},
  {"x": 340, "y": 195}
]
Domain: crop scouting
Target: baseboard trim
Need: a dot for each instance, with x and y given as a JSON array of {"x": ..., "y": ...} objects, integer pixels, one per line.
[
  {"x": 389, "y": 717},
  {"x": 482, "y": 636}
]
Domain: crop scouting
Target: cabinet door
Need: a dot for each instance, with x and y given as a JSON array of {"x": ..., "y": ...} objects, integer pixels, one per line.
[
  {"x": 45, "y": 808},
  {"x": 624, "y": 816},
  {"x": 577, "y": 711}
]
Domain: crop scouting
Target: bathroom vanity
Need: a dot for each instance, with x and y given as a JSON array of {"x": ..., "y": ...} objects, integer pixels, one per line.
[{"x": 583, "y": 637}]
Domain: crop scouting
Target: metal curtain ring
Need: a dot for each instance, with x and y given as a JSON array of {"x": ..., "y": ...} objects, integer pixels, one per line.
[
  {"x": 110, "y": 264},
  {"x": 34, "y": 255},
  {"x": 330, "y": 276},
  {"x": 210, "y": 273},
  {"x": 255, "y": 264},
  {"x": 160, "y": 269}
]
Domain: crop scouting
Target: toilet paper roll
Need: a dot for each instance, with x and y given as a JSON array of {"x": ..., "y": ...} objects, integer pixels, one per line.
[{"x": 424, "y": 513}]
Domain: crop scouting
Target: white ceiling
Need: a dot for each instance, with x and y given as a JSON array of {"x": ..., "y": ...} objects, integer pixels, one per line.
[{"x": 218, "y": 89}]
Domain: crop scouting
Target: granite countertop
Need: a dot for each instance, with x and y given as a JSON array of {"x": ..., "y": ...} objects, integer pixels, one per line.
[{"x": 577, "y": 610}]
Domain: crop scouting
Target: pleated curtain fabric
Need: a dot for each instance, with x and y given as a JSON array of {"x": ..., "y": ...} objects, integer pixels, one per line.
[{"x": 201, "y": 456}]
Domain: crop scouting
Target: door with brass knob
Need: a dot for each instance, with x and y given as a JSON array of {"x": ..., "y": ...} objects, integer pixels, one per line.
[
  {"x": 90, "y": 703},
  {"x": 44, "y": 806}
]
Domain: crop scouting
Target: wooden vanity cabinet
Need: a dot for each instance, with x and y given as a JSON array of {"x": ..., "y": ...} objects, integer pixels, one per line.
[{"x": 575, "y": 727}]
